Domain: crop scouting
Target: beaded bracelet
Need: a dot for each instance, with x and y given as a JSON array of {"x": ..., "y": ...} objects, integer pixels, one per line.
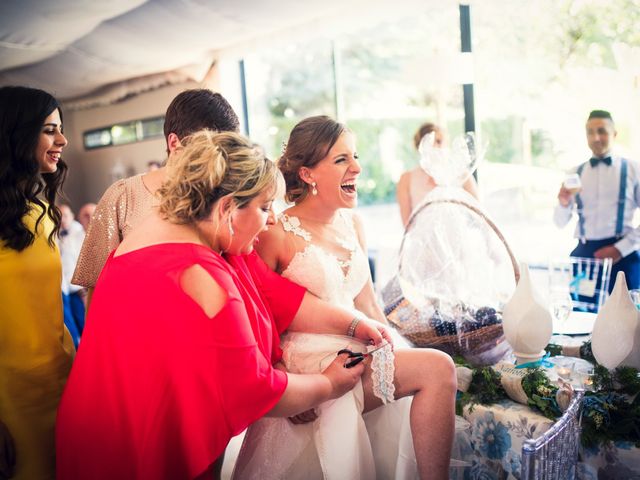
[{"x": 352, "y": 328}]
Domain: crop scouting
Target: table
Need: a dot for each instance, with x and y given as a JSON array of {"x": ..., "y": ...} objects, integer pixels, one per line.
[{"x": 491, "y": 446}]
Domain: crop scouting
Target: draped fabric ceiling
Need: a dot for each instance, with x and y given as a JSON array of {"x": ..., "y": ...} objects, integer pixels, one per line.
[{"x": 83, "y": 49}]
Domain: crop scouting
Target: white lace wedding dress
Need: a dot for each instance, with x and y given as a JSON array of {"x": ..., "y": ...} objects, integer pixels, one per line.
[{"x": 341, "y": 444}]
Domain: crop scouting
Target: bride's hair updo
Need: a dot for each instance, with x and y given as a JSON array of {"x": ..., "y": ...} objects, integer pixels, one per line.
[
  {"x": 309, "y": 142},
  {"x": 210, "y": 166}
]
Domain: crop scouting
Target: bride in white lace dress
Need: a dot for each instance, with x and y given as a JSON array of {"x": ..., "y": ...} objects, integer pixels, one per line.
[{"x": 319, "y": 244}]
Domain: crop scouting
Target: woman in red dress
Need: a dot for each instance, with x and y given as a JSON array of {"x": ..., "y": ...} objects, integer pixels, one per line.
[{"x": 170, "y": 370}]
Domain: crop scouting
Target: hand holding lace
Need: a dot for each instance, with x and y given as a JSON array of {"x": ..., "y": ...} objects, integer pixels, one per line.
[{"x": 372, "y": 331}]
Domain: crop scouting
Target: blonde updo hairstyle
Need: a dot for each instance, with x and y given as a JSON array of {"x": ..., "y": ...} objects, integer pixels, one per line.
[
  {"x": 309, "y": 142},
  {"x": 210, "y": 166}
]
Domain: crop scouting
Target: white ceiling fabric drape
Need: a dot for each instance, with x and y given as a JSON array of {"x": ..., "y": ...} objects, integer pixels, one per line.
[{"x": 81, "y": 48}]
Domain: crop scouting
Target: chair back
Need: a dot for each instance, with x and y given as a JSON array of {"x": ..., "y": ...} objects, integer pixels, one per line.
[
  {"x": 554, "y": 455},
  {"x": 585, "y": 279}
]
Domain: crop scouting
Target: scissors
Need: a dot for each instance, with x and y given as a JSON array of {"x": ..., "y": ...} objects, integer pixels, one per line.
[{"x": 357, "y": 357}]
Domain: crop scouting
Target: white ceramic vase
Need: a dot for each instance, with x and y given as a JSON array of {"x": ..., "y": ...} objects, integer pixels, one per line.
[
  {"x": 526, "y": 321},
  {"x": 616, "y": 333}
]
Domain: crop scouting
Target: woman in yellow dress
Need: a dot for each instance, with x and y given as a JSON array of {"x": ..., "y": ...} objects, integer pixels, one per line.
[{"x": 35, "y": 353}]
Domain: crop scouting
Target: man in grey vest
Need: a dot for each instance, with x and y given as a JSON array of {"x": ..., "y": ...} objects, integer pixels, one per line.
[{"x": 605, "y": 204}]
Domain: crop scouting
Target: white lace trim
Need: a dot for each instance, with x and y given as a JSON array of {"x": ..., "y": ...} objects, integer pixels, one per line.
[
  {"x": 348, "y": 243},
  {"x": 345, "y": 265},
  {"x": 292, "y": 224},
  {"x": 382, "y": 372}
]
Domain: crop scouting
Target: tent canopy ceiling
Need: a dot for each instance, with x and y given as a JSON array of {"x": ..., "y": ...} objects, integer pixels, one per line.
[{"x": 73, "y": 48}]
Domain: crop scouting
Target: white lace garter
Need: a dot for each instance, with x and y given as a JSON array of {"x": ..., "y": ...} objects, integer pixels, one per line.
[{"x": 383, "y": 369}]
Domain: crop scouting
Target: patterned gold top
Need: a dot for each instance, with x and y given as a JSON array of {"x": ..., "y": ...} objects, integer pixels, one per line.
[{"x": 121, "y": 208}]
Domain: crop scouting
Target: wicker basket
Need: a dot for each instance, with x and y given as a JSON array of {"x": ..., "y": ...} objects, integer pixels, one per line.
[
  {"x": 477, "y": 211},
  {"x": 482, "y": 346}
]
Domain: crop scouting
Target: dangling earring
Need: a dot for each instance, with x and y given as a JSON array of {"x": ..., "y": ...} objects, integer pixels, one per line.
[
  {"x": 314, "y": 190},
  {"x": 225, "y": 250},
  {"x": 231, "y": 232}
]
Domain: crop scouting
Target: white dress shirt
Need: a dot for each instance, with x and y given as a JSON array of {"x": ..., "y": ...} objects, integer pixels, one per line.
[{"x": 599, "y": 194}]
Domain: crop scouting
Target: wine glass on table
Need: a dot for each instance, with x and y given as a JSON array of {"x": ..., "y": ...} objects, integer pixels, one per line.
[{"x": 561, "y": 305}]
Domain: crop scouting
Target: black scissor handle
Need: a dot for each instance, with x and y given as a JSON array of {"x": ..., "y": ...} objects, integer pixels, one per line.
[
  {"x": 356, "y": 357},
  {"x": 350, "y": 353},
  {"x": 356, "y": 360}
]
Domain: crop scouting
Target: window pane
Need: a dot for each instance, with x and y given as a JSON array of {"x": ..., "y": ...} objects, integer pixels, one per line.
[
  {"x": 152, "y": 127},
  {"x": 97, "y": 139},
  {"x": 396, "y": 76},
  {"x": 537, "y": 77},
  {"x": 286, "y": 83},
  {"x": 124, "y": 133}
]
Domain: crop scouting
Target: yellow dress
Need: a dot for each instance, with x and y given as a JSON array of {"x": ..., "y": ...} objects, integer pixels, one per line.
[{"x": 35, "y": 353}]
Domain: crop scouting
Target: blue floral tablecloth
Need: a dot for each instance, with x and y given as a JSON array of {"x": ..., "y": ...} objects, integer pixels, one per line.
[{"x": 491, "y": 446}]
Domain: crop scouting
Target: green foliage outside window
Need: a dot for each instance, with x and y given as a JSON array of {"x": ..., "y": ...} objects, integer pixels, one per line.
[
  {"x": 375, "y": 184},
  {"x": 389, "y": 79}
]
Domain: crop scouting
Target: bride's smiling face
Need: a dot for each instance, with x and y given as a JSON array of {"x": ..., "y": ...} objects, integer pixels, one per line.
[{"x": 337, "y": 173}]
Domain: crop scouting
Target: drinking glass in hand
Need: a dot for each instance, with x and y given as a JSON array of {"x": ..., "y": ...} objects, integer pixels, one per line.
[{"x": 572, "y": 183}]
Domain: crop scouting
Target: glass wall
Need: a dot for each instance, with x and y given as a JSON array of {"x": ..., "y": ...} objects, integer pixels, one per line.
[
  {"x": 382, "y": 81},
  {"x": 539, "y": 68},
  {"x": 124, "y": 133},
  {"x": 537, "y": 77},
  {"x": 285, "y": 84}
]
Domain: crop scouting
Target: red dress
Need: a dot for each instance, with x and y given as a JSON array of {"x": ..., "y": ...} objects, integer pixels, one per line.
[{"x": 157, "y": 388}]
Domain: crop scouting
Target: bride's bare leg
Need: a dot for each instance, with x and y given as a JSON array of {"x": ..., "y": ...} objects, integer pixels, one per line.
[{"x": 429, "y": 375}]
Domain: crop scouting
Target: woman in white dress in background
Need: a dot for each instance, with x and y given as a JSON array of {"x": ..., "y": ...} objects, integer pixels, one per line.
[
  {"x": 319, "y": 244},
  {"x": 414, "y": 185}
]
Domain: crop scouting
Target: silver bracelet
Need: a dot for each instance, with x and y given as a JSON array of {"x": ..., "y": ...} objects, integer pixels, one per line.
[{"x": 352, "y": 328}]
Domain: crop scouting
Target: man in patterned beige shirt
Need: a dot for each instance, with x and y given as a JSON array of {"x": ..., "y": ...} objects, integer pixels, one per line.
[{"x": 128, "y": 201}]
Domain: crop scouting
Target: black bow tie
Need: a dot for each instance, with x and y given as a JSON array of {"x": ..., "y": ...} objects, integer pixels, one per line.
[
  {"x": 594, "y": 161},
  {"x": 63, "y": 232}
]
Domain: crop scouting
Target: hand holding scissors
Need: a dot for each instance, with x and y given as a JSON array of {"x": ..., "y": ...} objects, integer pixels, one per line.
[{"x": 357, "y": 357}]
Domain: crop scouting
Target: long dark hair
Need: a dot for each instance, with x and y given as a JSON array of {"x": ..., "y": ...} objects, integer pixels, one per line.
[{"x": 22, "y": 115}]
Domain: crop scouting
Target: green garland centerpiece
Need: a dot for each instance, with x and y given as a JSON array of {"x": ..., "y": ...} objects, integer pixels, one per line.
[
  {"x": 611, "y": 412},
  {"x": 485, "y": 389},
  {"x": 542, "y": 394}
]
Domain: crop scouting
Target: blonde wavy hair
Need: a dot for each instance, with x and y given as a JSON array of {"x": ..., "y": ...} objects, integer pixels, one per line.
[{"x": 210, "y": 166}]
